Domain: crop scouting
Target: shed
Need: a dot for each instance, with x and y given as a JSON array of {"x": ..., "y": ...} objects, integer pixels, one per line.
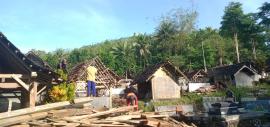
[
  {"x": 236, "y": 74},
  {"x": 161, "y": 81},
  {"x": 20, "y": 75}
]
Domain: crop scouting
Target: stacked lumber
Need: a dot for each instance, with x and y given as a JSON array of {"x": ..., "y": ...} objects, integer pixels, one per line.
[
  {"x": 115, "y": 117},
  {"x": 207, "y": 89}
]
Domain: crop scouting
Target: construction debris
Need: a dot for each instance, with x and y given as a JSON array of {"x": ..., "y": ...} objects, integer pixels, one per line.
[
  {"x": 207, "y": 89},
  {"x": 87, "y": 117}
]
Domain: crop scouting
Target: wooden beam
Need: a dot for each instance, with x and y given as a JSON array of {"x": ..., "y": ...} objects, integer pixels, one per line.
[
  {"x": 33, "y": 94},
  {"x": 16, "y": 78},
  {"x": 10, "y": 75},
  {"x": 9, "y": 85},
  {"x": 3, "y": 79},
  {"x": 41, "y": 90},
  {"x": 33, "y": 110}
]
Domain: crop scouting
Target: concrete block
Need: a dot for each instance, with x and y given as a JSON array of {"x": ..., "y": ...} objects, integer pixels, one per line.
[{"x": 99, "y": 102}]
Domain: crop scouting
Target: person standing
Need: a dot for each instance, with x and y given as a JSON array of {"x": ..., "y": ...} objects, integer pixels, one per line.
[
  {"x": 64, "y": 65},
  {"x": 91, "y": 77}
]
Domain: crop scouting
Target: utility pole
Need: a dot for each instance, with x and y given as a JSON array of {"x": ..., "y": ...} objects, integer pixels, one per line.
[{"x": 204, "y": 62}]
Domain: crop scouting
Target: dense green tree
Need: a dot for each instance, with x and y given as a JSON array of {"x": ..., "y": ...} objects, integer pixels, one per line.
[
  {"x": 231, "y": 24},
  {"x": 264, "y": 20}
]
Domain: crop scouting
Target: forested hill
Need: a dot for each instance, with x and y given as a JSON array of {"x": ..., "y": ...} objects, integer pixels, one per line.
[{"x": 241, "y": 37}]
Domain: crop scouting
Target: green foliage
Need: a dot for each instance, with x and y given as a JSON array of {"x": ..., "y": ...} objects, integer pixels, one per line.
[
  {"x": 146, "y": 106},
  {"x": 62, "y": 74},
  {"x": 62, "y": 92}
]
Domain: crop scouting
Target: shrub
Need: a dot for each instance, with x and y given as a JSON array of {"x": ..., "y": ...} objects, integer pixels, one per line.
[
  {"x": 62, "y": 74},
  {"x": 62, "y": 92},
  {"x": 146, "y": 106}
]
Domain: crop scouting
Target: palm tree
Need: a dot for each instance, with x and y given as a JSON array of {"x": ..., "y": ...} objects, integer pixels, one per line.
[
  {"x": 165, "y": 31},
  {"x": 142, "y": 48},
  {"x": 123, "y": 51}
]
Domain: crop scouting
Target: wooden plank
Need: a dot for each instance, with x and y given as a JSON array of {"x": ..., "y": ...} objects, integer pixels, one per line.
[
  {"x": 151, "y": 123},
  {"x": 66, "y": 124},
  {"x": 23, "y": 118},
  {"x": 41, "y": 90},
  {"x": 9, "y": 85},
  {"x": 16, "y": 78},
  {"x": 21, "y": 125},
  {"x": 33, "y": 110},
  {"x": 115, "y": 110},
  {"x": 173, "y": 120},
  {"x": 145, "y": 116},
  {"x": 69, "y": 112},
  {"x": 39, "y": 124},
  {"x": 10, "y": 75},
  {"x": 109, "y": 125}
]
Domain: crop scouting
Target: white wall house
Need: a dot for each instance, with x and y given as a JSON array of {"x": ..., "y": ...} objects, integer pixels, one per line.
[
  {"x": 246, "y": 76},
  {"x": 237, "y": 74}
]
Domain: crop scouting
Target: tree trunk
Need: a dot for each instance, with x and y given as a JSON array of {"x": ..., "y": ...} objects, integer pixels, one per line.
[
  {"x": 204, "y": 62},
  {"x": 220, "y": 60},
  {"x": 236, "y": 47},
  {"x": 254, "y": 49}
]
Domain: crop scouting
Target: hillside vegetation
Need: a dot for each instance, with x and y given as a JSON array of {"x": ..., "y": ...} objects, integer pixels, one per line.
[{"x": 241, "y": 37}]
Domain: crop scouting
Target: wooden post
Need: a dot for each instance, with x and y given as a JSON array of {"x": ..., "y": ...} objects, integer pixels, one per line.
[
  {"x": 9, "y": 105},
  {"x": 3, "y": 79},
  {"x": 33, "y": 94},
  {"x": 153, "y": 88},
  {"x": 110, "y": 97}
]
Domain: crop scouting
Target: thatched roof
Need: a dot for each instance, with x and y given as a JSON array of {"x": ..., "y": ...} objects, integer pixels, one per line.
[
  {"x": 13, "y": 61},
  {"x": 104, "y": 75},
  {"x": 148, "y": 72}
]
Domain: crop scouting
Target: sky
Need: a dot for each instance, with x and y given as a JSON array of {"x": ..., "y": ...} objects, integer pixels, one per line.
[{"x": 51, "y": 24}]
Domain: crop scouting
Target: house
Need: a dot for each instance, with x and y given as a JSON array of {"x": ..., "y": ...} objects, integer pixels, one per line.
[
  {"x": 105, "y": 78},
  {"x": 20, "y": 76},
  {"x": 241, "y": 74},
  {"x": 197, "y": 76},
  {"x": 161, "y": 81}
]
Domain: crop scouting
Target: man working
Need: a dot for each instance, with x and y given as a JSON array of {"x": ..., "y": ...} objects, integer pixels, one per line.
[
  {"x": 131, "y": 97},
  {"x": 91, "y": 77}
]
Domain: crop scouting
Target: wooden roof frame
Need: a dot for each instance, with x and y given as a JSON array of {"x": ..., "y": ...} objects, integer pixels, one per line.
[{"x": 23, "y": 60}]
